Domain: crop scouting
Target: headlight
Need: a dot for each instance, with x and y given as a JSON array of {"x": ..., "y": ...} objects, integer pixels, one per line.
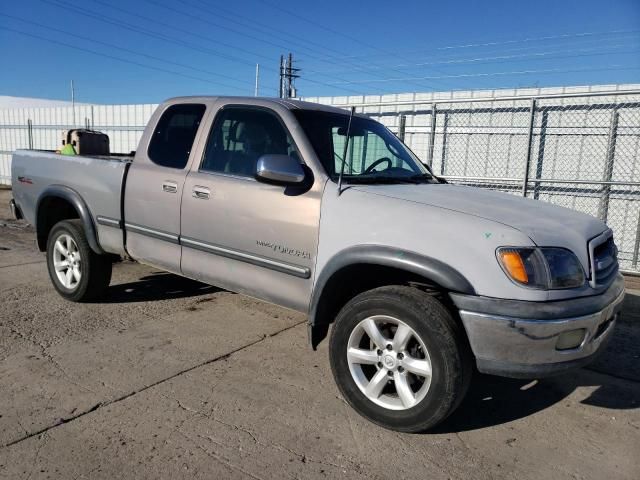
[
  {"x": 565, "y": 270},
  {"x": 543, "y": 268}
]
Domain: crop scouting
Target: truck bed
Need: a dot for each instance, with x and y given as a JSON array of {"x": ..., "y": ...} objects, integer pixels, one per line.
[
  {"x": 97, "y": 179},
  {"x": 119, "y": 157}
]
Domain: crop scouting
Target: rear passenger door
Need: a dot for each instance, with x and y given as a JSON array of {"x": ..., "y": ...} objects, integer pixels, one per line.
[
  {"x": 241, "y": 234},
  {"x": 154, "y": 186}
]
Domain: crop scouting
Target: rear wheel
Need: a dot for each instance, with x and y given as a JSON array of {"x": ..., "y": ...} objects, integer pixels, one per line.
[
  {"x": 77, "y": 272},
  {"x": 399, "y": 358}
]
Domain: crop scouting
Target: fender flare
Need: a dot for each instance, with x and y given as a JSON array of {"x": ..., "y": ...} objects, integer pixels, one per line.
[
  {"x": 427, "y": 267},
  {"x": 74, "y": 198}
]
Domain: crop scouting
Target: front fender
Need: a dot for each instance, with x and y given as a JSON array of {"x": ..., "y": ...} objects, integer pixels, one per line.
[{"x": 431, "y": 269}]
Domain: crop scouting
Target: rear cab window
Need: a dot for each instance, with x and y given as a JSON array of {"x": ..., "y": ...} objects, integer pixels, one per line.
[{"x": 174, "y": 135}]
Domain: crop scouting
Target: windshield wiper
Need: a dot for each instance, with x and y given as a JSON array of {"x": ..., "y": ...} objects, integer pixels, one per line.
[
  {"x": 386, "y": 179},
  {"x": 421, "y": 177}
]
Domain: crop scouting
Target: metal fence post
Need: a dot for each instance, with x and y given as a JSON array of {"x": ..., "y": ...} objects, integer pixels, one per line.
[
  {"x": 527, "y": 163},
  {"x": 30, "y": 133},
  {"x": 607, "y": 175},
  {"x": 444, "y": 142},
  {"x": 402, "y": 125},
  {"x": 541, "y": 146},
  {"x": 636, "y": 247},
  {"x": 432, "y": 134}
]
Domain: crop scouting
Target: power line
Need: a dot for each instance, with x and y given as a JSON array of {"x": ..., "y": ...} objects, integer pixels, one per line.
[
  {"x": 120, "y": 59},
  {"x": 331, "y": 30},
  {"x": 242, "y": 33},
  {"x": 578, "y": 42},
  {"x": 514, "y": 41},
  {"x": 156, "y": 3},
  {"x": 144, "y": 31},
  {"x": 117, "y": 47},
  {"x": 330, "y": 59},
  {"x": 581, "y": 43},
  {"x": 504, "y": 58},
  {"x": 538, "y": 39},
  {"x": 319, "y": 25},
  {"x": 267, "y": 29},
  {"x": 491, "y": 74},
  {"x": 172, "y": 40},
  {"x": 244, "y": 23},
  {"x": 224, "y": 27},
  {"x": 182, "y": 30}
]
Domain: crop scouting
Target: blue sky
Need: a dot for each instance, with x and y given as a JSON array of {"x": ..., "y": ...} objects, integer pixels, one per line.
[{"x": 119, "y": 51}]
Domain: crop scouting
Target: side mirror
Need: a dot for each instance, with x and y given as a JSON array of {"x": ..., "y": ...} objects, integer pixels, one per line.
[{"x": 279, "y": 169}]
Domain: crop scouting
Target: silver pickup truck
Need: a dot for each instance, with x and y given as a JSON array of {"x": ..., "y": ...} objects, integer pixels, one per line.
[{"x": 326, "y": 212}]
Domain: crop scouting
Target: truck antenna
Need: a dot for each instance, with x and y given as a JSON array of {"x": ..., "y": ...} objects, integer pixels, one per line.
[{"x": 344, "y": 155}]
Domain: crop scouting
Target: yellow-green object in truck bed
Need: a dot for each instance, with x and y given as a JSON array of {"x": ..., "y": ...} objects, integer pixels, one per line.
[{"x": 68, "y": 150}]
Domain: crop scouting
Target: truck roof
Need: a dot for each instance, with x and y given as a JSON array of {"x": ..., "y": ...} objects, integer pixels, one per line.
[{"x": 286, "y": 103}]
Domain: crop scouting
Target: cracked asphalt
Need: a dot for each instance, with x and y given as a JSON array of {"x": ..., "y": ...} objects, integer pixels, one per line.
[{"x": 170, "y": 378}]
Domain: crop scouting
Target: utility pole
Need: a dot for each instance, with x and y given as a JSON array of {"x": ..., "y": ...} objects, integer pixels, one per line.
[
  {"x": 292, "y": 73},
  {"x": 255, "y": 93},
  {"x": 281, "y": 89},
  {"x": 287, "y": 75}
]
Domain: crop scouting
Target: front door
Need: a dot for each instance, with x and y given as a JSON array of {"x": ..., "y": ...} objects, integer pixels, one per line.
[
  {"x": 154, "y": 188},
  {"x": 241, "y": 234}
]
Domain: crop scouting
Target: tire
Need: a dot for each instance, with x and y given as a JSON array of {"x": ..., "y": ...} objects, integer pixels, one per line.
[
  {"x": 433, "y": 342},
  {"x": 93, "y": 270}
]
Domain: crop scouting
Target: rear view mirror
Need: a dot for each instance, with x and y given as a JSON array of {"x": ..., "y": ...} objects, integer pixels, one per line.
[
  {"x": 354, "y": 132},
  {"x": 279, "y": 169}
]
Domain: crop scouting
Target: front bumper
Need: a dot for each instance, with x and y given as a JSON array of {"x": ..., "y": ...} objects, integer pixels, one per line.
[{"x": 519, "y": 339}]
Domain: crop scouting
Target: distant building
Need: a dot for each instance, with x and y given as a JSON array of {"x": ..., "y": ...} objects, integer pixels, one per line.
[{"x": 28, "y": 102}]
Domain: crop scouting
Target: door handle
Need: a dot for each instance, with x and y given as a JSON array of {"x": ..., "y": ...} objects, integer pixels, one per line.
[
  {"x": 169, "y": 187},
  {"x": 201, "y": 192}
]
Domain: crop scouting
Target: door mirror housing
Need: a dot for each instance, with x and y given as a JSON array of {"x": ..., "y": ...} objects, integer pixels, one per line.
[{"x": 279, "y": 169}]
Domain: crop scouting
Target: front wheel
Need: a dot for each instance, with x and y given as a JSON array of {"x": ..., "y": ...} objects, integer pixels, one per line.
[
  {"x": 399, "y": 358},
  {"x": 77, "y": 272}
]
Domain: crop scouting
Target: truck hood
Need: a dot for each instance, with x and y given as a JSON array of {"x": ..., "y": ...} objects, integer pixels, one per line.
[{"x": 545, "y": 224}]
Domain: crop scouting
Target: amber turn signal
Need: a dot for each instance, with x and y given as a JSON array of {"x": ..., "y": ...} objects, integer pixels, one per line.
[{"x": 514, "y": 265}]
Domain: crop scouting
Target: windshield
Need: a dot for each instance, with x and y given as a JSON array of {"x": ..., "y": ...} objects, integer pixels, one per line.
[{"x": 374, "y": 154}]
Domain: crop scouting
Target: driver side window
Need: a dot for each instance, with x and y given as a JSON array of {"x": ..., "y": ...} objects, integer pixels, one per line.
[{"x": 240, "y": 136}]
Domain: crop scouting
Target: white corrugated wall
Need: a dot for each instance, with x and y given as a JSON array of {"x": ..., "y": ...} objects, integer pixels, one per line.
[{"x": 123, "y": 123}]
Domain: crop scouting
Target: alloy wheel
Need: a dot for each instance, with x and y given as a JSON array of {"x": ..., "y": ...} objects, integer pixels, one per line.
[
  {"x": 67, "y": 261},
  {"x": 389, "y": 362}
]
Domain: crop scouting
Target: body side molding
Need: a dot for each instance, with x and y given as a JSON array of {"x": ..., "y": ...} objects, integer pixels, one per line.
[
  {"x": 152, "y": 232},
  {"x": 295, "y": 270},
  {"x": 108, "y": 221}
]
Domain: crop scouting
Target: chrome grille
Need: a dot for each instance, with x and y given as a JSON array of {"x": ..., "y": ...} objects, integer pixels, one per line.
[{"x": 604, "y": 259}]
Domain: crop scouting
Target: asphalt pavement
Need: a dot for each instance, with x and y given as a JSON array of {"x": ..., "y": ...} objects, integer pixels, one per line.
[{"x": 171, "y": 378}]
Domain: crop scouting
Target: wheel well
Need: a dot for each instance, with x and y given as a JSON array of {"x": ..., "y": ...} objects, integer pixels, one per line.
[
  {"x": 51, "y": 210},
  {"x": 352, "y": 280}
]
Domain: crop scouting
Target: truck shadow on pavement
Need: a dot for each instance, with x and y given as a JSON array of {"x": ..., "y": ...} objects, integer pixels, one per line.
[
  {"x": 157, "y": 286},
  {"x": 612, "y": 382},
  {"x": 493, "y": 401}
]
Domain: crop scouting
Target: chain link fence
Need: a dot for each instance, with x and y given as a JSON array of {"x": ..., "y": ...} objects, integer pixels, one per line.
[
  {"x": 580, "y": 151},
  {"x": 577, "y": 151}
]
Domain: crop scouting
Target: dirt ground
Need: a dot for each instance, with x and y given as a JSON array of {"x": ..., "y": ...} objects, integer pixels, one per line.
[{"x": 170, "y": 378}]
